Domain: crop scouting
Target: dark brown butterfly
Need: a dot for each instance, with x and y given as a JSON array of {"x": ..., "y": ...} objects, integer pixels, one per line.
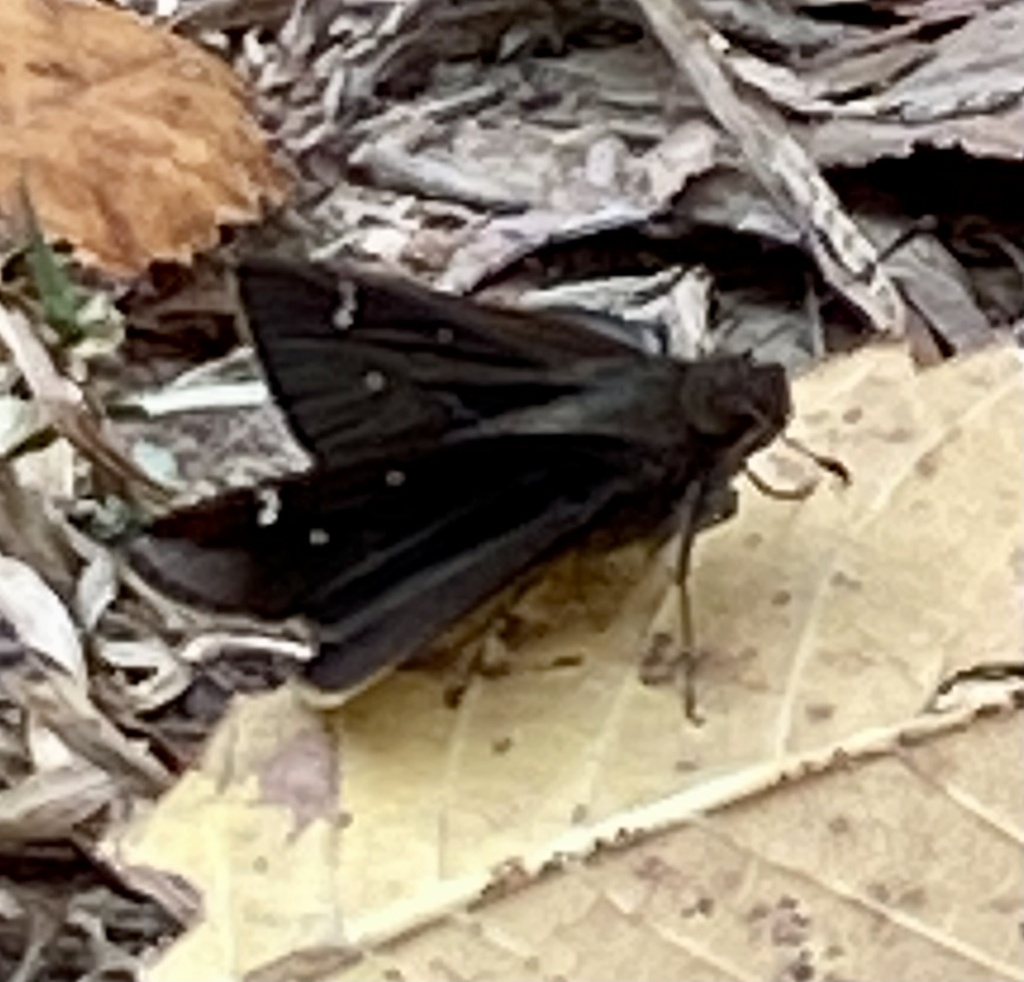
[{"x": 455, "y": 446}]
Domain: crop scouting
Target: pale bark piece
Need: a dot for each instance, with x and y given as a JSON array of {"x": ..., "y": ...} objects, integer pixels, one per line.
[{"x": 134, "y": 144}]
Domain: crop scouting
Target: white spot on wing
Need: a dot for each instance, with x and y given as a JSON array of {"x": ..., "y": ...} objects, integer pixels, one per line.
[
  {"x": 269, "y": 506},
  {"x": 318, "y": 537}
]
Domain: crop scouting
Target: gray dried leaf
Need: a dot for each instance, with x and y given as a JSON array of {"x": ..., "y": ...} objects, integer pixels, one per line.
[
  {"x": 854, "y": 142},
  {"x": 97, "y": 588},
  {"x": 160, "y": 676},
  {"x": 158, "y": 462},
  {"x": 39, "y": 618},
  {"x": 842, "y": 75},
  {"x": 846, "y": 257},
  {"x": 389, "y": 165},
  {"x": 19, "y": 420},
  {"x": 60, "y": 708},
  {"x": 976, "y": 69},
  {"x": 223, "y": 15},
  {"x": 503, "y": 241},
  {"x": 686, "y": 315},
  {"x": 935, "y": 284},
  {"x": 28, "y": 530},
  {"x": 687, "y": 152},
  {"x": 49, "y": 804},
  {"x": 776, "y": 23}
]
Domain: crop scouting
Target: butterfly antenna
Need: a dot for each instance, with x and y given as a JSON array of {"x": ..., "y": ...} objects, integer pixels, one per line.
[{"x": 831, "y": 465}]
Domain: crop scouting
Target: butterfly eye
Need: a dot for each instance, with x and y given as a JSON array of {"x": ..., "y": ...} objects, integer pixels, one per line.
[{"x": 742, "y": 422}]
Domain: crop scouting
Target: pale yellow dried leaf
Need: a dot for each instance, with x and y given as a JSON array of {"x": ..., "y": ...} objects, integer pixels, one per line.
[
  {"x": 826, "y": 622},
  {"x": 908, "y": 869},
  {"x": 135, "y": 144}
]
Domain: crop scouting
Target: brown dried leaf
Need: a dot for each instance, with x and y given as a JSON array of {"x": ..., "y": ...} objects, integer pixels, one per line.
[
  {"x": 134, "y": 144},
  {"x": 832, "y": 620}
]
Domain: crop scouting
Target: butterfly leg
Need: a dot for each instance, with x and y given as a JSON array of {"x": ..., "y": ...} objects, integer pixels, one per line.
[
  {"x": 670, "y": 653},
  {"x": 475, "y": 647}
]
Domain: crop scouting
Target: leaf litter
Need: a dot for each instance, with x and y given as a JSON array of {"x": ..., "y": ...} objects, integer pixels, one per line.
[{"x": 798, "y": 180}]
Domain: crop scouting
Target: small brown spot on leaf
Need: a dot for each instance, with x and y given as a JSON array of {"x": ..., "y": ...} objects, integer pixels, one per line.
[
  {"x": 781, "y": 597},
  {"x": 568, "y": 661},
  {"x": 849, "y": 660},
  {"x": 844, "y": 581},
  {"x": 758, "y": 912},
  {"x": 703, "y": 906},
  {"x": 928, "y": 465},
  {"x": 789, "y": 925},
  {"x": 839, "y": 825},
  {"x": 913, "y": 899},
  {"x": 653, "y": 870},
  {"x": 853, "y": 415},
  {"x": 802, "y": 969},
  {"x": 501, "y": 746},
  {"x": 1017, "y": 560},
  {"x": 879, "y": 892},
  {"x": 898, "y": 434},
  {"x": 727, "y": 880},
  {"x": 819, "y": 712}
]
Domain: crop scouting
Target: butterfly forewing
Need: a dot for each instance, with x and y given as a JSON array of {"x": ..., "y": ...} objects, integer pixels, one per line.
[
  {"x": 455, "y": 446},
  {"x": 381, "y": 367}
]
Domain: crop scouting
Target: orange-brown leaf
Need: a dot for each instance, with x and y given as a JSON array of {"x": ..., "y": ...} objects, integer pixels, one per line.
[{"x": 134, "y": 143}]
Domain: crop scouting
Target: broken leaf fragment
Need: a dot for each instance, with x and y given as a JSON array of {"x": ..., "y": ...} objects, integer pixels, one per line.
[{"x": 133, "y": 144}]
